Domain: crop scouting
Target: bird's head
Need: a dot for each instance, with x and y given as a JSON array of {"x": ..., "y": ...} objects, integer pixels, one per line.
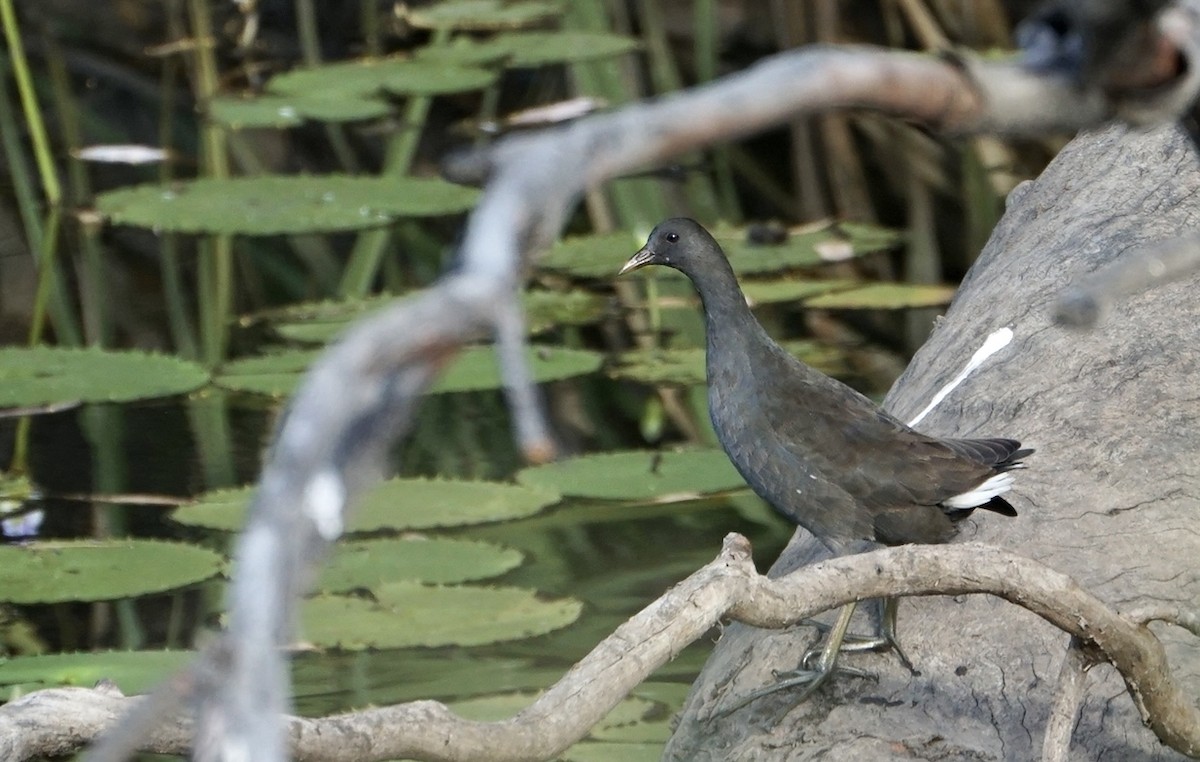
[{"x": 672, "y": 243}]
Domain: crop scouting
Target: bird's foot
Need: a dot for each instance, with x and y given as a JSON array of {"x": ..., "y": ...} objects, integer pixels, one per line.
[{"x": 813, "y": 672}]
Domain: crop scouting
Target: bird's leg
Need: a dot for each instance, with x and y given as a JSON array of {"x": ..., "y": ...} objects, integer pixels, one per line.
[
  {"x": 883, "y": 639},
  {"x": 810, "y": 677},
  {"x": 888, "y": 608}
]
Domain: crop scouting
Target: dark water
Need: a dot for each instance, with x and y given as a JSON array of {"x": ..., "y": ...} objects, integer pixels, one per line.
[{"x": 615, "y": 558}]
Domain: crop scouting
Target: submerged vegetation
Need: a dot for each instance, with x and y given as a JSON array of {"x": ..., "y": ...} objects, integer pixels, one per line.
[{"x": 271, "y": 176}]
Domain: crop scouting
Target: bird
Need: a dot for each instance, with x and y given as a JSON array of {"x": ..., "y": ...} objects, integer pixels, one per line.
[{"x": 820, "y": 453}]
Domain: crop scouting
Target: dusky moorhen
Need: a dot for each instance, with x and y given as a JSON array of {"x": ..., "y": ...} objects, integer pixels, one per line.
[{"x": 817, "y": 451}]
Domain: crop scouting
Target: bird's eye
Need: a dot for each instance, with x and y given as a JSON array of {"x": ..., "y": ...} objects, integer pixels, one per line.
[{"x": 672, "y": 237}]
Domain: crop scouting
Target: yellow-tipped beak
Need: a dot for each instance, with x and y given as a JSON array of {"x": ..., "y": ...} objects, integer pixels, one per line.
[{"x": 642, "y": 258}]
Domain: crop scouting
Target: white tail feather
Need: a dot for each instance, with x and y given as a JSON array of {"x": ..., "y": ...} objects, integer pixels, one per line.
[{"x": 997, "y": 485}]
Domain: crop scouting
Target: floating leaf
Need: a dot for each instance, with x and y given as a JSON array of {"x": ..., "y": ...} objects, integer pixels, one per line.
[
  {"x": 438, "y": 560},
  {"x": 320, "y": 322},
  {"x": 279, "y": 111},
  {"x": 42, "y": 375},
  {"x": 476, "y": 369},
  {"x": 637, "y": 475},
  {"x": 273, "y": 204},
  {"x": 532, "y": 49},
  {"x": 368, "y": 76},
  {"x": 685, "y": 367},
  {"x": 133, "y": 671},
  {"x": 783, "y": 291},
  {"x": 482, "y": 15},
  {"x": 395, "y": 504},
  {"x": 405, "y": 614},
  {"x": 601, "y": 256},
  {"x": 473, "y": 369},
  {"x": 885, "y": 296},
  {"x": 94, "y": 570},
  {"x": 550, "y": 309},
  {"x": 276, "y": 374},
  {"x": 260, "y": 111}
]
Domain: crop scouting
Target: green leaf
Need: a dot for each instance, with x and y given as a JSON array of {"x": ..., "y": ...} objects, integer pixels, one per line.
[
  {"x": 406, "y": 614},
  {"x": 474, "y": 369},
  {"x": 289, "y": 111},
  {"x": 601, "y": 256},
  {"x": 482, "y": 15},
  {"x": 259, "y": 111},
  {"x": 320, "y": 322},
  {"x": 366, "y": 77},
  {"x": 438, "y": 560},
  {"x": 638, "y": 475},
  {"x": 533, "y": 49},
  {"x": 133, "y": 671},
  {"x": 276, "y": 374},
  {"x": 395, "y": 504},
  {"x": 43, "y": 375},
  {"x": 274, "y": 204},
  {"x": 784, "y": 291},
  {"x": 885, "y": 296},
  {"x": 685, "y": 366},
  {"x": 94, "y": 570}
]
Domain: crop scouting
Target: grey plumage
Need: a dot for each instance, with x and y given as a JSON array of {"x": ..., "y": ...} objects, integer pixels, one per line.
[{"x": 819, "y": 452}]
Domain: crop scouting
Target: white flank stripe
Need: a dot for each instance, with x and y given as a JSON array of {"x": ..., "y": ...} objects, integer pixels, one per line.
[
  {"x": 997, "y": 485},
  {"x": 992, "y": 344}
]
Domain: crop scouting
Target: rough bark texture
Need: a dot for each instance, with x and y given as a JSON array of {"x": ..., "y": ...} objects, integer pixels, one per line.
[{"x": 1112, "y": 497}]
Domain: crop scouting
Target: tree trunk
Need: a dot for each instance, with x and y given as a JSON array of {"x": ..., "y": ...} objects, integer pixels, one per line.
[{"x": 1109, "y": 498}]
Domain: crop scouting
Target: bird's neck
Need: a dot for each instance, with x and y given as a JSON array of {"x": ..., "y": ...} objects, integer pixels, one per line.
[{"x": 726, "y": 313}]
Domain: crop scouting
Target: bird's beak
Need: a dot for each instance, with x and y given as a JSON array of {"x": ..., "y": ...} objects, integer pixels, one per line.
[{"x": 643, "y": 257}]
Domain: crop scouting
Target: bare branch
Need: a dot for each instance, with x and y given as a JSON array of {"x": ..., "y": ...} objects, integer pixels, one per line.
[
  {"x": 1064, "y": 714},
  {"x": 728, "y": 586}
]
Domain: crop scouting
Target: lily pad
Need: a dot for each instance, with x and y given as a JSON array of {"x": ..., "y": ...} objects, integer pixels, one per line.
[
  {"x": 437, "y": 560},
  {"x": 275, "y": 111},
  {"x": 274, "y": 204},
  {"x": 482, "y": 15},
  {"x": 533, "y": 49},
  {"x": 94, "y": 570},
  {"x": 885, "y": 296},
  {"x": 407, "y": 614},
  {"x": 132, "y": 671},
  {"x": 320, "y": 322},
  {"x": 474, "y": 369},
  {"x": 395, "y": 504},
  {"x": 685, "y": 367},
  {"x": 784, "y": 291},
  {"x": 276, "y": 374},
  {"x": 369, "y": 76},
  {"x": 43, "y": 375},
  {"x": 601, "y": 256},
  {"x": 637, "y": 475},
  {"x": 550, "y": 309}
]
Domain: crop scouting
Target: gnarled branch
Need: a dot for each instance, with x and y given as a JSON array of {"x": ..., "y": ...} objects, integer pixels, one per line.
[{"x": 729, "y": 587}]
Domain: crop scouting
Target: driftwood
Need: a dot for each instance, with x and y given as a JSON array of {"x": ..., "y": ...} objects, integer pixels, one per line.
[
  {"x": 1110, "y": 497},
  {"x": 1111, "y": 426},
  {"x": 727, "y": 587}
]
